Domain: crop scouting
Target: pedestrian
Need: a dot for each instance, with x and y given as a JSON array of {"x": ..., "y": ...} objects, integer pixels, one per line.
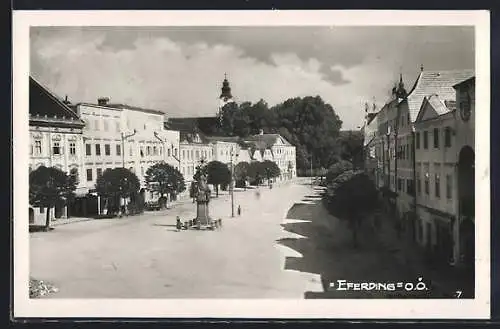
[
  {"x": 178, "y": 224},
  {"x": 239, "y": 210}
]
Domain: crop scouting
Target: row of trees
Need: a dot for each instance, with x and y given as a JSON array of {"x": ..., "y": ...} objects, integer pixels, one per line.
[
  {"x": 351, "y": 195},
  {"x": 50, "y": 186}
]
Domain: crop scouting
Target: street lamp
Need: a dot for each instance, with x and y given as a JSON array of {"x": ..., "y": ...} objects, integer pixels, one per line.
[
  {"x": 232, "y": 182},
  {"x": 124, "y": 137}
]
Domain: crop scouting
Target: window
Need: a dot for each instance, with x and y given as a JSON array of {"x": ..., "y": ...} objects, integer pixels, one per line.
[
  {"x": 410, "y": 189},
  {"x": 192, "y": 154},
  {"x": 447, "y": 137},
  {"x": 99, "y": 172},
  {"x": 426, "y": 140},
  {"x": 142, "y": 151},
  {"x": 437, "y": 186},
  {"x": 175, "y": 152},
  {"x": 183, "y": 154},
  {"x": 107, "y": 149},
  {"x": 148, "y": 150},
  {"x": 117, "y": 127},
  {"x": 72, "y": 148},
  {"x": 417, "y": 141},
  {"x": 105, "y": 125},
  {"x": 197, "y": 154},
  {"x": 131, "y": 150},
  {"x": 426, "y": 179},
  {"x": 38, "y": 147},
  {"x": 89, "y": 175},
  {"x": 449, "y": 185},
  {"x": 168, "y": 152},
  {"x": 400, "y": 184},
  {"x": 408, "y": 118},
  {"x": 56, "y": 148},
  {"x": 97, "y": 149},
  {"x": 96, "y": 124},
  {"x": 88, "y": 149},
  {"x": 436, "y": 138},
  {"x": 118, "y": 149},
  {"x": 155, "y": 151}
]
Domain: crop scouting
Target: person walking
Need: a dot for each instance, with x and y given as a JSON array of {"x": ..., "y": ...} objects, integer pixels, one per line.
[{"x": 239, "y": 210}]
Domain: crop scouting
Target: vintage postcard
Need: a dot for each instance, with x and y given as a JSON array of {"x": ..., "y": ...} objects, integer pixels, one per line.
[{"x": 263, "y": 164}]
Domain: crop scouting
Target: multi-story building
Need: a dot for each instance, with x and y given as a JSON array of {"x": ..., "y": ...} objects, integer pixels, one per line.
[
  {"x": 274, "y": 147},
  {"x": 370, "y": 129},
  {"x": 56, "y": 141},
  {"x": 445, "y": 174},
  {"x": 118, "y": 135},
  {"x": 428, "y": 83}
]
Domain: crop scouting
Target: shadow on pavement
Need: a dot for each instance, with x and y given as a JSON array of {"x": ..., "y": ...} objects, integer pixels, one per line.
[
  {"x": 327, "y": 250},
  {"x": 166, "y": 225},
  {"x": 39, "y": 228}
]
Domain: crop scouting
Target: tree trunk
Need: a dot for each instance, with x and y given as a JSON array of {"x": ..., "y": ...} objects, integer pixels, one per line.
[{"x": 47, "y": 219}]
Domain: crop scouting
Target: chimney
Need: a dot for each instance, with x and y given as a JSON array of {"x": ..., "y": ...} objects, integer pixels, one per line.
[
  {"x": 66, "y": 101},
  {"x": 102, "y": 101}
]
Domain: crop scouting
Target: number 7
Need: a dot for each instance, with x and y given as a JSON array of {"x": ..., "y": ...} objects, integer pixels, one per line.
[{"x": 459, "y": 293}]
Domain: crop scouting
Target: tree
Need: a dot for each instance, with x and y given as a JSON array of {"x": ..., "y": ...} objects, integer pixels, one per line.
[
  {"x": 164, "y": 179},
  {"x": 352, "y": 196},
  {"x": 337, "y": 169},
  {"x": 117, "y": 183},
  {"x": 241, "y": 173},
  {"x": 256, "y": 172},
  {"x": 271, "y": 169},
  {"x": 350, "y": 143},
  {"x": 48, "y": 187},
  {"x": 218, "y": 174}
]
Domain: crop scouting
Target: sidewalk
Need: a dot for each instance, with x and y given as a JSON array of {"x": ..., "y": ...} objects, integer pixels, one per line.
[{"x": 445, "y": 281}]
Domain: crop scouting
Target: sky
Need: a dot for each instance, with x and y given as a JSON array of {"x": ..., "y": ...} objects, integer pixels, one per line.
[{"x": 179, "y": 70}]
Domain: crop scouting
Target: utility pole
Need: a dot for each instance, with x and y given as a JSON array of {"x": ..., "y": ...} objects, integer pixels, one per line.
[
  {"x": 232, "y": 183},
  {"x": 124, "y": 137},
  {"x": 311, "y": 171}
]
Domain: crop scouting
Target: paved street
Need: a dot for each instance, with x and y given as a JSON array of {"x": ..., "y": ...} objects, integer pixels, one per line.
[{"x": 284, "y": 245}]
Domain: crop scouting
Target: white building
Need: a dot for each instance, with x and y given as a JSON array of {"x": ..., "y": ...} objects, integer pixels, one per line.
[
  {"x": 118, "y": 135},
  {"x": 55, "y": 141},
  {"x": 445, "y": 174},
  {"x": 274, "y": 147}
]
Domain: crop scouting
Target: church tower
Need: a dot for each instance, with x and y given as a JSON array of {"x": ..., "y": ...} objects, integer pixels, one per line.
[{"x": 225, "y": 97}]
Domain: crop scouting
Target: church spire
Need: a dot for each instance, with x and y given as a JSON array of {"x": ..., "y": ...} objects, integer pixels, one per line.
[
  {"x": 226, "y": 90},
  {"x": 401, "y": 91}
]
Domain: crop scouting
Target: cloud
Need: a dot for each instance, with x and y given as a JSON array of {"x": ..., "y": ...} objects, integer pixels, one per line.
[{"x": 180, "y": 70}]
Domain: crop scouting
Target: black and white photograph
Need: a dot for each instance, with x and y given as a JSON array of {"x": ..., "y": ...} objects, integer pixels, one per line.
[{"x": 317, "y": 161}]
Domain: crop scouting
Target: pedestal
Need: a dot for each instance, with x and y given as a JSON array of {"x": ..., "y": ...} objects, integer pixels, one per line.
[{"x": 202, "y": 216}]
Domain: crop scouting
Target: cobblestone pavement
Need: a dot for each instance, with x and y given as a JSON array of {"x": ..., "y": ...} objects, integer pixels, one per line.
[
  {"x": 145, "y": 257},
  {"x": 284, "y": 245}
]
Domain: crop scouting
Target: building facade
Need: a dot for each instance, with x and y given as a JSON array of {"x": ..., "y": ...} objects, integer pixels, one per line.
[
  {"x": 417, "y": 150},
  {"x": 445, "y": 168},
  {"x": 56, "y": 140},
  {"x": 118, "y": 135}
]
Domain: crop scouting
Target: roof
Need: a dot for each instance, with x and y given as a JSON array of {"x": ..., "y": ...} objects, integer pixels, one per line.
[
  {"x": 435, "y": 82},
  {"x": 266, "y": 140},
  {"x": 437, "y": 106},
  {"x": 133, "y": 108},
  {"x": 473, "y": 78},
  {"x": 46, "y": 106},
  {"x": 227, "y": 139}
]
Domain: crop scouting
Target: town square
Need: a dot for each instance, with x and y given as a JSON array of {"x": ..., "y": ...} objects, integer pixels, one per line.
[{"x": 188, "y": 163}]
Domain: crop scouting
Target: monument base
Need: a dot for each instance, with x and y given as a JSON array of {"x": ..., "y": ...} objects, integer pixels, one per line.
[{"x": 202, "y": 217}]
